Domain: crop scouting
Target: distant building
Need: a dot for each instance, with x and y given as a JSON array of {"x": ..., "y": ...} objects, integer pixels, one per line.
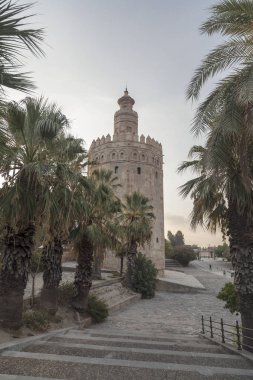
[
  {"x": 138, "y": 164},
  {"x": 206, "y": 255}
]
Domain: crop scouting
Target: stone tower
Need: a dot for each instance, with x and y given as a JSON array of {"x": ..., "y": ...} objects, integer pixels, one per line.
[{"x": 138, "y": 164}]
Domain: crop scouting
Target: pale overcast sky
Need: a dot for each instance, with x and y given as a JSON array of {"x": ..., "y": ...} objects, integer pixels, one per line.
[{"x": 95, "y": 47}]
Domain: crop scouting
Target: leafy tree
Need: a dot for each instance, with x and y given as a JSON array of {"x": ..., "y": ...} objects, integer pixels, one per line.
[
  {"x": 171, "y": 238},
  {"x": 168, "y": 248},
  {"x": 183, "y": 254},
  {"x": 177, "y": 239},
  {"x": 144, "y": 276},
  {"x": 229, "y": 295},
  {"x": 137, "y": 218},
  {"x": 221, "y": 249}
]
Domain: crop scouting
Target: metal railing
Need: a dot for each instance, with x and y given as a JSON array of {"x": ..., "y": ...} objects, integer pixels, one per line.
[{"x": 228, "y": 333}]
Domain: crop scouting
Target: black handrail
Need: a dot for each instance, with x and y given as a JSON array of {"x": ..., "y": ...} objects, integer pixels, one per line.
[{"x": 215, "y": 328}]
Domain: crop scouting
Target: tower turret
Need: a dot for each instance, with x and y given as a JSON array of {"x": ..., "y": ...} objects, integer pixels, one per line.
[{"x": 125, "y": 120}]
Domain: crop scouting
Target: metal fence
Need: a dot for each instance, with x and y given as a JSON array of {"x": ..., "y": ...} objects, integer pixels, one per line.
[{"x": 228, "y": 333}]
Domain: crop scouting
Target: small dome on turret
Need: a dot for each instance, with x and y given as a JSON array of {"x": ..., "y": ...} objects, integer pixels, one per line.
[{"x": 126, "y": 100}]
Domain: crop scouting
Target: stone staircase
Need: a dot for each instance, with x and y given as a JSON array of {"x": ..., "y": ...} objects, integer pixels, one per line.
[
  {"x": 102, "y": 354},
  {"x": 114, "y": 294},
  {"x": 170, "y": 264}
]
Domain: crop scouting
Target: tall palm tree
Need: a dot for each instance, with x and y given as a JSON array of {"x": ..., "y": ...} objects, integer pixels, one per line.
[
  {"x": 71, "y": 157},
  {"x": 15, "y": 39},
  {"x": 233, "y": 19},
  {"x": 222, "y": 198},
  {"x": 137, "y": 219},
  {"x": 225, "y": 180},
  {"x": 25, "y": 198},
  {"x": 97, "y": 207}
]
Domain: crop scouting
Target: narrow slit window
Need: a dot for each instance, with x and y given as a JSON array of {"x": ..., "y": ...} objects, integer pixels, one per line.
[
  {"x": 116, "y": 169},
  {"x": 138, "y": 170}
]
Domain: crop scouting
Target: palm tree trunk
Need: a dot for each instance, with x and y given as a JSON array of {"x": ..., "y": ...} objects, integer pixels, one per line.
[
  {"x": 96, "y": 272},
  {"x": 16, "y": 257},
  {"x": 52, "y": 275},
  {"x": 241, "y": 247},
  {"x": 121, "y": 265},
  {"x": 83, "y": 275},
  {"x": 131, "y": 256}
]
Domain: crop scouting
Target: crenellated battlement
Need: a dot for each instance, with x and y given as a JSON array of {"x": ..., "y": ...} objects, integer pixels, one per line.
[{"x": 142, "y": 139}]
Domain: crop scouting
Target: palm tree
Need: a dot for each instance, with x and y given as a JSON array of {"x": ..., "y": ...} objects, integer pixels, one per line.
[
  {"x": 25, "y": 197},
  {"x": 97, "y": 206},
  {"x": 222, "y": 194},
  {"x": 222, "y": 198},
  {"x": 71, "y": 158},
  {"x": 231, "y": 18},
  {"x": 15, "y": 39},
  {"x": 137, "y": 218}
]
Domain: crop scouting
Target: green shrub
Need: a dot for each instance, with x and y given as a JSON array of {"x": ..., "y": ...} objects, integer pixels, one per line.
[
  {"x": 97, "y": 309},
  {"x": 143, "y": 278},
  {"x": 36, "y": 320},
  {"x": 183, "y": 254},
  {"x": 229, "y": 295},
  {"x": 65, "y": 293}
]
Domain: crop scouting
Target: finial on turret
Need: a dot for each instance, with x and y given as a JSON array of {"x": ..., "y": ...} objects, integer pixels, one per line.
[{"x": 126, "y": 91}]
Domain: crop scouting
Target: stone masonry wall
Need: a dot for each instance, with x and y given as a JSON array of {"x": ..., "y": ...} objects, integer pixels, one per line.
[{"x": 138, "y": 166}]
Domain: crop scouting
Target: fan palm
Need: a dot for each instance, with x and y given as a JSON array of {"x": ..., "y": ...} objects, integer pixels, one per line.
[
  {"x": 222, "y": 198},
  {"x": 231, "y": 18},
  {"x": 25, "y": 198},
  {"x": 137, "y": 218},
  {"x": 15, "y": 39},
  {"x": 97, "y": 206},
  {"x": 71, "y": 156}
]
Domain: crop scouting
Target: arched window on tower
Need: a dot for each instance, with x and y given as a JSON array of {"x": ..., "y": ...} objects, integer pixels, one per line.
[
  {"x": 116, "y": 169},
  {"x": 129, "y": 129},
  {"x": 121, "y": 155},
  {"x": 135, "y": 155},
  {"x": 113, "y": 156}
]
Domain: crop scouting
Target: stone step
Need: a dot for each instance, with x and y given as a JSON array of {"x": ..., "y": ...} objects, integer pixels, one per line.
[
  {"x": 121, "y": 342},
  {"x": 115, "y": 295},
  {"x": 19, "y": 377},
  {"x": 95, "y": 368},
  {"x": 184, "y": 357},
  {"x": 129, "y": 335}
]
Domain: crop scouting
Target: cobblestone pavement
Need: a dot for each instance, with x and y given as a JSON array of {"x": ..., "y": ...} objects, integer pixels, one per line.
[{"x": 173, "y": 312}]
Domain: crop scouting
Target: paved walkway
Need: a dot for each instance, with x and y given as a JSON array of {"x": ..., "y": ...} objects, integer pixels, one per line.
[{"x": 174, "y": 312}]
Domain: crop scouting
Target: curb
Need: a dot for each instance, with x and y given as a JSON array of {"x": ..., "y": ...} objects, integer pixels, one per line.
[{"x": 122, "y": 305}]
